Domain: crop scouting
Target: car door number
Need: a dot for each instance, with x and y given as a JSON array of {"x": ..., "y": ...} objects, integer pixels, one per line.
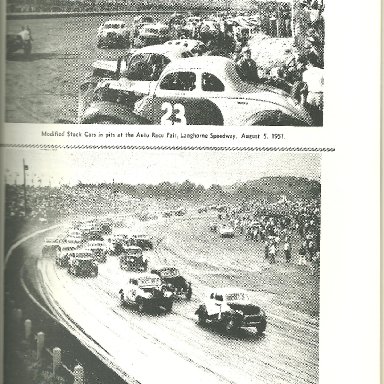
[{"x": 177, "y": 110}]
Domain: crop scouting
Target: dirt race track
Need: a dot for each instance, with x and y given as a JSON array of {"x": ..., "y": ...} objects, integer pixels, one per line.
[
  {"x": 45, "y": 88},
  {"x": 172, "y": 348}
]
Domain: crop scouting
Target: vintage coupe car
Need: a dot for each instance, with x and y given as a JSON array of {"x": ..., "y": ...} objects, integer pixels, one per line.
[
  {"x": 146, "y": 291},
  {"x": 151, "y": 34},
  {"x": 131, "y": 259},
  {"x": 98, "y": 249},
  {"x": 142, "y": 241},
  {"x": 231, "y": 309},
  {"x": 202, "y": 90},
  {"x": 51, "y": 246},
  {"x": 113, "y": 33},
  {"x": 226, "y": 230},
  {"x": 129, "y": 77},
  {"x": 173, "y": 281},
  {"x": 83, "y": 264},
  {"x": 63, "y": 253}
]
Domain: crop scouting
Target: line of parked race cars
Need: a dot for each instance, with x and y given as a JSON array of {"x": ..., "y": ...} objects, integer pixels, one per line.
[
  {"x": 85, "y": 245},
  {"x": 179, "y": 79}
]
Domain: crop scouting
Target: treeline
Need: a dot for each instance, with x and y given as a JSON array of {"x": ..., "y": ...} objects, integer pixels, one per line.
[{"x": 267, "y": 188}]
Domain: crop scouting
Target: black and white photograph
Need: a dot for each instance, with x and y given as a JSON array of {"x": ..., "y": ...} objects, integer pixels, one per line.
[
  {"x": 171, "y": 266},
  {"x": 224, "y": 62}
]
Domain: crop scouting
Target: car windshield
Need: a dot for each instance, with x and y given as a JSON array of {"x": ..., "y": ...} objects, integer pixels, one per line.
[
  {"x": 133, "y": 251},
  {"x": 169, "y": 272},
  {"x": 112, "y": 26},
  {"x": 237, "y": 296},
  {"x": 84, "y": 262}
]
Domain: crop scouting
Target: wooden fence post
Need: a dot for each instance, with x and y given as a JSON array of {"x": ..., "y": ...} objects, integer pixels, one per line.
[
  {"x": 40, "y": 344},
  {"x": 27, "y": 329},
  {"x": 78, "y": 374},
  {"x": 56, "y": 358}
]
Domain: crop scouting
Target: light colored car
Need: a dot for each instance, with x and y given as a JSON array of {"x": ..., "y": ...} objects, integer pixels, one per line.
[
  {"x": 231, "y": 308},
  {"x": 152, "y": 34},
  {"x": 113, "y": 33},
  {"x": 202, "y": 90},
  {"x": 146, "y": 291},
  {"x": 136, "y": 73},
  {"x": 226, "y": 230}
]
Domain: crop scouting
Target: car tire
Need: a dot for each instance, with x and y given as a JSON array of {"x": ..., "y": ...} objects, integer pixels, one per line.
[
  {"x": 168, "y": 307},
  {"x": 141, "y": 306},
  {"x": 229, "y": 325},
  {"x": 202, "y": 317},
  {"x": 261, "y": 326}
]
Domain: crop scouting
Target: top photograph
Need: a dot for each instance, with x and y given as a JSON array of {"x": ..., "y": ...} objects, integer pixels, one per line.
[{"x": 191, "y": 62}]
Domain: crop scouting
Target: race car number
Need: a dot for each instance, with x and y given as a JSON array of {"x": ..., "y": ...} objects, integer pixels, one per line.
[{"x": 174, "y": 114}]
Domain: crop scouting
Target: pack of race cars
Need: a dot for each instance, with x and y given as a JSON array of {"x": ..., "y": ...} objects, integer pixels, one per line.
[
  {"x": 182, "y": 73},
  {"x": 85, "y": 245}
]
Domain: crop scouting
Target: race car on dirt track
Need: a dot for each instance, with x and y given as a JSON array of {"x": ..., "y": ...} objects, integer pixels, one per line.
[
  {"x": 131, "y": 259},
  {"x": 83, "y": 265},
  {"x": 113, "y": 33},
  {"x": 202, "y": 90},
  {"x": 145, "y": 291},
  {"x": 173, "y": 281},
  {"x": 231, "y": 309}
]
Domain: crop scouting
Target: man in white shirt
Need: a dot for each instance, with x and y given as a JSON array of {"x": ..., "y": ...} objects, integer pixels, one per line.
[{"x": 313, "y": 76}]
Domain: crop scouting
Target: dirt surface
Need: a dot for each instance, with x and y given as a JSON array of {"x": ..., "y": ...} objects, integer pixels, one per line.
[
  {"x": 44, "y": 89},
  {"x": 173, "y": 346}
]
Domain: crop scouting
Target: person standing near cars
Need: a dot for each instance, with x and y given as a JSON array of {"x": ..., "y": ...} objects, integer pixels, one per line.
[
  {"x": 25, "y": 35},
  {"x": 247, "y": 66}
]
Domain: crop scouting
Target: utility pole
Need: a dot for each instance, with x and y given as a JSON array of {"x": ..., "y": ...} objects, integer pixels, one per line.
[{"x": 25, "y": 168}]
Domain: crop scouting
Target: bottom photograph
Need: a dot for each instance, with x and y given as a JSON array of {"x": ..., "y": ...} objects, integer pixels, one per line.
[{"x": 171, "y": 266}]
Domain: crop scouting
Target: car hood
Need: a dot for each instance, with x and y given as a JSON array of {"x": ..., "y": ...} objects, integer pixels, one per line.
[
  {"x": 106, "y": 65},
  {"x": 247, "y": 309},
  {"x": 177, "y": 281}
]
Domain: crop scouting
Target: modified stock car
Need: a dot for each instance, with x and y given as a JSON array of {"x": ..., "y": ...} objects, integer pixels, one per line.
[
  {"x": 113, "y": 33},
  {"x": 231, "y": 309},
  {"x": 83, "y": 264},
  {"x": 145, "y": 290},
  {"x": 202, "y": 90},
  {"x": 142, "y": 241},
  {"x": 173, "y": 281},
  {"x": 132, "y": 259},
  {"x": 151, "y": 34},
  {"x": 226, "y": 230}
]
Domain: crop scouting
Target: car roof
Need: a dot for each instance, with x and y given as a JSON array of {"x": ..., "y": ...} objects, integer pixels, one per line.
[
  {"x": 217, "y": 65},
  {"x": 161, "y": 49}
]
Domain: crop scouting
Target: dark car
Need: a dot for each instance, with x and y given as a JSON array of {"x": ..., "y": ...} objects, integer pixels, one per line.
[
  {"x": 142, "y": 241},
  {"x": 231, "y": 309},
  {"x": 132, "y": 259},
  {"x": 14, "y": 43},
  {"x": 84, "y": 266},
  {"x": 173, "y": 281}
]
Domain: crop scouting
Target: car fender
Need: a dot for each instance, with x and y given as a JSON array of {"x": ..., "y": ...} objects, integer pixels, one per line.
[{"x": 104, "y": 110}]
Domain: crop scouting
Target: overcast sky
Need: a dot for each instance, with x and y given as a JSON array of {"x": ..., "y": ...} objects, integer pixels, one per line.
[{"x": 154, "y": 166}]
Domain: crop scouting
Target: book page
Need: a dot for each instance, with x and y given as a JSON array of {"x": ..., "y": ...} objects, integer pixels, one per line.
[{"x": 176, "y": 179}]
